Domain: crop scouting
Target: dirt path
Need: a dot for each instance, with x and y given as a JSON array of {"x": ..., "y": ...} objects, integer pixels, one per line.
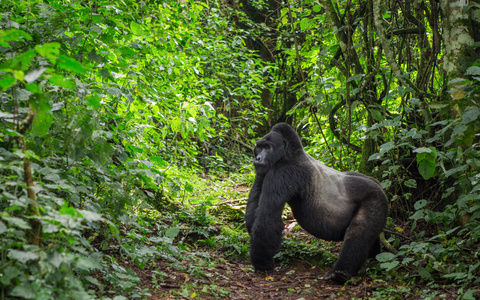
[{"x": 236, "y": 280}]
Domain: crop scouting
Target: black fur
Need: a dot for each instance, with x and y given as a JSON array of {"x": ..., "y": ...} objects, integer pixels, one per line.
[{"x": 329, "y": 204}]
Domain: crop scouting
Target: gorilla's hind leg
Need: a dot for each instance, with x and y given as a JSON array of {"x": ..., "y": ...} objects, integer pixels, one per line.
[
  {"x": 375, "y": 249},
  {"x": 352, "y": 256},
  {"x": 361, "y": 240}
]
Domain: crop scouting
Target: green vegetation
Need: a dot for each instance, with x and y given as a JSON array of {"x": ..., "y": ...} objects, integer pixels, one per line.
[{"x": 126, "y": 134}]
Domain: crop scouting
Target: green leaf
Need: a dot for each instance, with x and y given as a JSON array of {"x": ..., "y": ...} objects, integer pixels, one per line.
[
  {"x": 33, "y": 88},
  {"x": 13, "y": 35},
  {"x": 93, "y": 101},
  {"x": 62, "y": 81},
  {"x": 422, "y": 150},
  {"x": 136, "y": 28},
  {"x": 21, "y": 62},
  {"x": 459, "y": 275},
  {"x": 34, "y": 75},
  {"x": 172, "y": 232},
  {"x": 19, "y": 74},
  {"x": 424, "y": 273},
  {"x": 426, "y": 161},
  {"x": 427, "y": 169},
  {"x": 159, "y": 161},
  {"x": 470, "y": 115},
  {"x": 389, "y": 265},
  {"x": 20, "y": 223},
  {"x": 306, "y": 24},
  {"x": 384, "y": 148},
  {"x": 87, "y": 264},
  {"x": 49, "y": 51},
  {"x": 175, "y": 123},
  {"x": 377, "y": 115},
  {"x": 9, "y": 272},
  {"x": 385, "y": 256},
  {"x": 420, "y": 204},
  {"x": 7, "y": 81},
  {"x": 3, "y": 227},
  {"x": 411, "y": 183},
  {"x": 355, "y": 77},
  {"x": 68, "y": 210},
  {"x": 90, "y": 216},
  {"x": 23, "y": 94},
  {"x": 70, "y": 64},
  {"x": 189, "y": 187},
  {"x": 387, "y": 260},
  {"x": 43, "y": 117},
  {"x": 22, "y": 256},
  {"x": 460, "y": 129},
  {"x": 56, "y": 259},
  {"x": 473, "y": 70},
  {"x": 24, "y": 291}
]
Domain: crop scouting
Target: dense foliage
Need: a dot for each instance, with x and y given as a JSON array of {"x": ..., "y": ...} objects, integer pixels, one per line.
[{"x": 112, "y": 111}]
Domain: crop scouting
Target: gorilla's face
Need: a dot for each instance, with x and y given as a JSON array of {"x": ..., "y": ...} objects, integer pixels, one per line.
[{"x": 268, "y": 150}]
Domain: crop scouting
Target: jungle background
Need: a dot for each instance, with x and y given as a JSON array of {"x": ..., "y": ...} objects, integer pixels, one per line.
[{"x": 127, "y": 129}]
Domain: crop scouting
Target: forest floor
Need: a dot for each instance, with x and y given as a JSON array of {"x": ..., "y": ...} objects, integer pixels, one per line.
[
  {"x": 210, "y": 273},
  {"x": 235, "y": 279}
]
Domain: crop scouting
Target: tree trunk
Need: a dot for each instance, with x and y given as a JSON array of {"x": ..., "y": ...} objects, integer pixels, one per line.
[{"x": 457, "y": 37}]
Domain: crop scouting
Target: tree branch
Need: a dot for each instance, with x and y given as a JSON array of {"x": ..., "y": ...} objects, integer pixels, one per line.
[
  {"x": 389, "y": 55},
  {"x": 333, "y": 124}
]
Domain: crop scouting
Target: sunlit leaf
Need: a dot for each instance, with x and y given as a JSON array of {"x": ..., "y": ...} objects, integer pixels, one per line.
[
  {"x": 34, "y": 75},
  {"x": 136, "y": 28},
  {"x": 93, "y": 101},
  {"x": 13, "y": 35},
  {"x": 62, "y": 81},
  {"x": 70, "y": 64},
  {"x": 90, "y": 215},
  {"x": 49, "y": 51},
  {"x": 33, "y": 88},
  {"x": 22, "y": 61},
  {"x": 7, "y": 81},
  {"x": 43, "y": 117}
]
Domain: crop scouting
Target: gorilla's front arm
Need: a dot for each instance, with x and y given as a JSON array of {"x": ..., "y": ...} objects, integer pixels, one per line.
[
  {"x": 252, "y": 203},
  {"x": 264, "y": 221}
]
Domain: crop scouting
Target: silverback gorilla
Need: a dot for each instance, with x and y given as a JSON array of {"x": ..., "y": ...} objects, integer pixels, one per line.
[{"x": 329, "y": 204}]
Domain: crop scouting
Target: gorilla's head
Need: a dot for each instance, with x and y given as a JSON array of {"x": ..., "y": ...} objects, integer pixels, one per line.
[{"x": 280, "y": 143}]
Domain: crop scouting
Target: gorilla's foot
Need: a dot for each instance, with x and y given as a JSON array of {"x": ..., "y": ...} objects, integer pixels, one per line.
[{"x": 337, "y": 276}]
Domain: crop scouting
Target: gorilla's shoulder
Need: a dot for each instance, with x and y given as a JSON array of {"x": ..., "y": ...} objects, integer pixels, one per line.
[{"x": 355, "y": 177}]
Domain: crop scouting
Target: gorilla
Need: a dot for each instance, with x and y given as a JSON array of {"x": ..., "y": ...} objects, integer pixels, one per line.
[{"x": 329, "y": 204}]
